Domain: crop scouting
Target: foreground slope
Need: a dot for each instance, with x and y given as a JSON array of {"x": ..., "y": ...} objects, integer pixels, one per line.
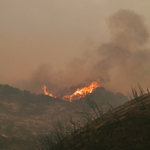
[
  {"x": 126, "y": 127},
  {"x": 25, "y": 116}
]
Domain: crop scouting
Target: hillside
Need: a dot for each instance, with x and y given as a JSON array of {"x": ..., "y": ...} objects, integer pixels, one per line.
[
  {"x": 126, "y": 127},
  {"x": 25, "y": 116}
]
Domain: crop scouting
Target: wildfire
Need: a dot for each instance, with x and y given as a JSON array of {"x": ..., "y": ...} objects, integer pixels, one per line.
[
  {"x": 82, "y": 92},
  {"x": 46, "y": 93},
  {"x": 79, "y": 93}
]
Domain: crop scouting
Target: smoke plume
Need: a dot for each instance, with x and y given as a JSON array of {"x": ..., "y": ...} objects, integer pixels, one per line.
[
  {"x": 125, "y": 58},
  {"x": 119, "y": 63}
]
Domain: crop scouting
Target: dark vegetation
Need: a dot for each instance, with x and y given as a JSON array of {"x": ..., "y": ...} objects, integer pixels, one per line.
[
  {"x": 125, "y": 127},
  {"x": 25, "y": 117}
]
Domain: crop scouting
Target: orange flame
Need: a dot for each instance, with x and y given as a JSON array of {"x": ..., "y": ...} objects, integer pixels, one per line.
[
  {"x": 46, "y": 93},
  {"x": 79, "y": 93}
]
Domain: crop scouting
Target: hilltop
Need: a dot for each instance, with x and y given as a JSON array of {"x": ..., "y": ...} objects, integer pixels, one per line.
[{"x": 126, "y": 127}]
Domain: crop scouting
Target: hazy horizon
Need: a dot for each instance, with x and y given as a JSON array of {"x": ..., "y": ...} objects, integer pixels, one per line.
[{"x": 72, "y": 43}]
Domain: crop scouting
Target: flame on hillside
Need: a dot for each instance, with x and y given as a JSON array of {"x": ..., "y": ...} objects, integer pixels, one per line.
[
  {"x": 79, "y": 93},
  {"x": 46, "y": 93}
]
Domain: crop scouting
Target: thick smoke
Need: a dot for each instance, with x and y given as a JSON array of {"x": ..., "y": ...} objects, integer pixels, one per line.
[
  {"x": 59, "y": 82},
  {"x": 126, "y": 60},
  {"x": 122, "y": 62}
]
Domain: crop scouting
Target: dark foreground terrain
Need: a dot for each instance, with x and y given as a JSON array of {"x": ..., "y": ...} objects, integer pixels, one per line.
[
  {"x": 26, "y": 117},
  {"x": 126, "y": 127}
]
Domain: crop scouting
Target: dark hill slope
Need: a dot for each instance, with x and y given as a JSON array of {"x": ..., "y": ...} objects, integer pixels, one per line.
[
  {"x": 25, "y": 116},
  {"x": 126, "y": 127}
]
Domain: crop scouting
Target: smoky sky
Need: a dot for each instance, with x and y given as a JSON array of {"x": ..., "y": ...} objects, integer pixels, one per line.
[
  {"x": 119, "y": 63},
  {"x": 37, "y": 32},
  {"x": 125, "y": 57}
]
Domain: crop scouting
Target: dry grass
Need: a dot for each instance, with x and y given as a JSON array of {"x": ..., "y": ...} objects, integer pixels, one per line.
[{"x": 125, "y": 127}]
